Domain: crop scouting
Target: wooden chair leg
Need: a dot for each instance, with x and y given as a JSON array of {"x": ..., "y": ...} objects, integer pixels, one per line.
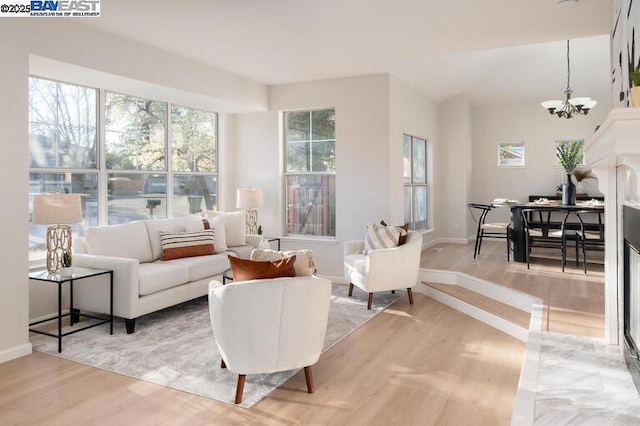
[
  {"x": 309, "y": 378},
  {"x": 222, "y": 364},
  {"x": 350, "y": 289},
  {"x": 410, "y": 294},
  {"x": 240, "y": 388},
  {"x": 370, "y": 301}
]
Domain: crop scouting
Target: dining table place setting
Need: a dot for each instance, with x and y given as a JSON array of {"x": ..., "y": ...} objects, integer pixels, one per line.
[
  {"x": 504, "y": 201},
  {"x": 591, "y": 203},
  {"x": 543, "y": 202}
]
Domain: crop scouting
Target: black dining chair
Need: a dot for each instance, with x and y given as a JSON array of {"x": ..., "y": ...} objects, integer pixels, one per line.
[
  {"x": 488, "y": 229},
  {"x": 590, "y": 236},
  {"x": 540, "y": 231}
]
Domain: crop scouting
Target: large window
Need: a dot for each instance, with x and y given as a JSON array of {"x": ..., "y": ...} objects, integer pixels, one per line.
[
  {"x": 147, "y": 144},
  {"x": 310, "y": 166},
  {"x": 415, "y": 182}
]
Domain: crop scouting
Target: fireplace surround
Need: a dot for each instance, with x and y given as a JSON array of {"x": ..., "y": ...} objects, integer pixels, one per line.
[{"x": 613, "y": 153}]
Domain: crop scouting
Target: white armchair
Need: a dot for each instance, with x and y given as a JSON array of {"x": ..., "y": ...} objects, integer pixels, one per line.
[
  {"x": 383, "y": 269},
  {"x": 265, "y": 326}
]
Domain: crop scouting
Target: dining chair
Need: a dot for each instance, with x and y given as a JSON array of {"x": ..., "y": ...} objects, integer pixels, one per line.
[
  {"x": 541, "y": 231},
  {"x": 488, "y": 229},
  {"x": 590, "y": 235}
]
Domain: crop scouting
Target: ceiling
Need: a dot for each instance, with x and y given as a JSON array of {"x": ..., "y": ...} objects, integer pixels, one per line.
[{"x": 495, "y": 51}]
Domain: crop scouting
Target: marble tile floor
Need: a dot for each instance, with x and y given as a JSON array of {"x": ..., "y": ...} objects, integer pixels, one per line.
[{"x": 584, "y": 381}]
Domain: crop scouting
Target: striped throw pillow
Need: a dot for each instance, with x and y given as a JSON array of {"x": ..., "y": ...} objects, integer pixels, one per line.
[
  {"x": 186, "y": 244},
  {"x": 381, "y": 236}
]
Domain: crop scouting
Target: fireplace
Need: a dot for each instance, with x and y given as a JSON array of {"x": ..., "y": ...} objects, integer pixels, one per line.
[{"x": 631, "y": 288}]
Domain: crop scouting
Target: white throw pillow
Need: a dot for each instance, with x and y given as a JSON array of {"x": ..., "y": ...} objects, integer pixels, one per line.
[
  {"x": 193, "y": 223},
  {"x": 220, "y": 239},
  {"x": 234, "y": 226},
  {"x": 380, "y": 236}
]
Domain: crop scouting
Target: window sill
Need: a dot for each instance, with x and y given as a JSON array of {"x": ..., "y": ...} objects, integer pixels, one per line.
[{"x": 309, "y": 239}]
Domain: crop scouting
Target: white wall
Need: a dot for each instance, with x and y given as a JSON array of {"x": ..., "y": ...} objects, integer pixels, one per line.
[
  {"x": 362, "y": 146},
  {"x": 455, "y": 172},
  {"x": 414, "y": 114},
  {"x": 531, "y": 124},
  {"x": 14, "y": 307},
  {"x": 372, "y": 113}
]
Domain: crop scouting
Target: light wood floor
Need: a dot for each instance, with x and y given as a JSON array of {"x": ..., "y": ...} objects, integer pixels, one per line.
[
  {"x": 573, "y": 300},
  {"x": 421, "y": 364}
]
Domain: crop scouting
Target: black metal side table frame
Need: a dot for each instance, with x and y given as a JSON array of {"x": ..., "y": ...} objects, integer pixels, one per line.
[{"x": 74, "y": 314}]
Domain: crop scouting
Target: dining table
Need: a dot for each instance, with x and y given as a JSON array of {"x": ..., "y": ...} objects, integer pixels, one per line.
[{"x": 552, "y": 206}]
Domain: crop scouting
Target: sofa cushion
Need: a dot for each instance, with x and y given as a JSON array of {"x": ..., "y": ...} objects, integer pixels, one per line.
[
  {"x": 155, "y": 226},
  {"x": 234, "y": 226},
  {"x": 244, "y": 269},
  {"x": 176, "y": 245},
  {"x": 125, "y": 240},
  {"x": 160, "y": 275},
  {"x": 305, "y": 263},
  {"x": 204, "y": 266}
]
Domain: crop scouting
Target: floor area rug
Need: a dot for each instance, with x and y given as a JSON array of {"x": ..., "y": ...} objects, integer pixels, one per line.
[{"x": 175, "y": 347}]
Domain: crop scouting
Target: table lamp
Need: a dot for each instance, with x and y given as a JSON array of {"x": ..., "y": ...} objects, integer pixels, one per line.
[
  {"x": 58, "y": 210},
  {"x": 250, "y": 199}
]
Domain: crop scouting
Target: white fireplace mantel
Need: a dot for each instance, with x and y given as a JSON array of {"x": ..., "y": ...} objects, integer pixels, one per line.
[{"x": 613, "y": 153}]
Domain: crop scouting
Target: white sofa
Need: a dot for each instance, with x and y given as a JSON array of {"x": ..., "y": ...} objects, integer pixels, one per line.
[{"x": 142, "y": 282}]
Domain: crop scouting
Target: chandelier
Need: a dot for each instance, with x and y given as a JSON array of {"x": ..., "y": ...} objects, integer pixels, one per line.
[{"x": 570, "y": 106}]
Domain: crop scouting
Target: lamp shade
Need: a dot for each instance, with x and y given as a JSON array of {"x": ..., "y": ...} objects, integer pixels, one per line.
[
  {"x": 249, "y": 198},
  {"x": 56, "y": 209}
]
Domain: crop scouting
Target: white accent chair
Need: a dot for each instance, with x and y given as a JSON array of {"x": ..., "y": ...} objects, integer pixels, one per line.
[
  {"x": 266, "y": 326},
  {"x": 383, "y": 269}
]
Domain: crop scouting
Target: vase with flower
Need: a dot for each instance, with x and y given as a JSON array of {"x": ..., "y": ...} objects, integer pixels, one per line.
[{"x": 569, "y": 155}]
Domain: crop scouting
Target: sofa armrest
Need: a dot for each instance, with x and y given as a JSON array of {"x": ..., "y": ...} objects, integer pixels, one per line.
[
  {"x": 353, "y": 246},
  {"x": 125, "y": 285}
]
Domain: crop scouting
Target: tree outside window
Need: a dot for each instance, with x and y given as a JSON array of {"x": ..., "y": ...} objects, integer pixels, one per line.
[{"x": 160, "y": 159}]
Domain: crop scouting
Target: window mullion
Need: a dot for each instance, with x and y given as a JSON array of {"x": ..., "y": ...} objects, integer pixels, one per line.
[{"x": 103, "y": 174}]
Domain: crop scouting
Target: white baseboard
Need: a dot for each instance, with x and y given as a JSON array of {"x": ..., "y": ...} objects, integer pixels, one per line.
[
  {"x": 15, "y": 352},
  {"x": 452, "y": 240}
]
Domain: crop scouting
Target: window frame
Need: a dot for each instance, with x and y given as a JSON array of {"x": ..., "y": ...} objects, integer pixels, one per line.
[
  {"x": 412, "y": 185},
  {"x": 288, "y": 174},
  {"x": 501, "y": 150},
  {"x": 103, "y": 173}
]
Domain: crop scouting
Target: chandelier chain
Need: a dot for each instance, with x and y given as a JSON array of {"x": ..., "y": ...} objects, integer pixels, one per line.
[
  {"x": 570, "y": 106},
  {"x": 568, "y": 69}
]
